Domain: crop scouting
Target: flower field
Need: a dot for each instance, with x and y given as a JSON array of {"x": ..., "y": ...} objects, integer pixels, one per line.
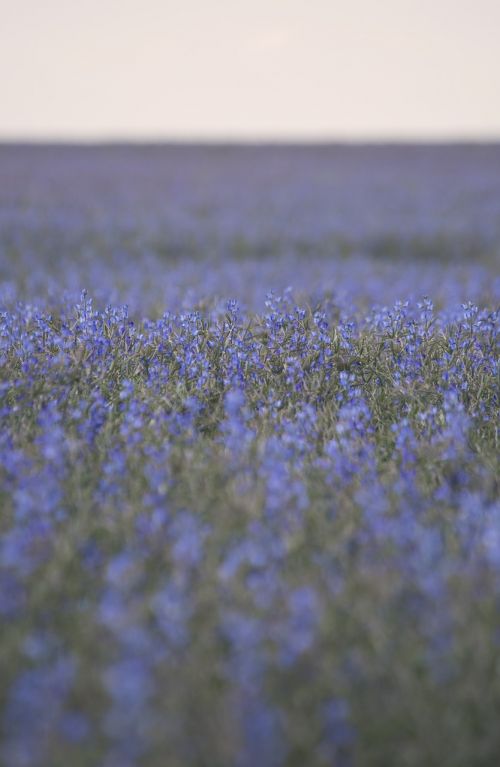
[{"x": 249, "y": 457}]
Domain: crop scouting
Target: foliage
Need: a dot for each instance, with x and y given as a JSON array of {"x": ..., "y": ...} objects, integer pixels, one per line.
[
  {"x": 250, "y": 536},
  {"x": 261, "y": 533}
]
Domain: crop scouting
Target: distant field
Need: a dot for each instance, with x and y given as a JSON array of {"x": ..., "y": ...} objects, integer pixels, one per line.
[
  {"x": 155, "y": 226},
  {"x": 249, "y": 456}
]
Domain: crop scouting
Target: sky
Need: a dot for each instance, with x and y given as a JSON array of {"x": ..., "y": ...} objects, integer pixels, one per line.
[{"x": 249, "y": 69}]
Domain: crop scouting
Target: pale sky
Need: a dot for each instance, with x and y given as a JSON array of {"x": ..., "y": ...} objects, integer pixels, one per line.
[{"x": 249, "y": 69}]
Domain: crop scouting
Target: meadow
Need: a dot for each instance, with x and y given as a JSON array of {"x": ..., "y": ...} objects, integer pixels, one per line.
[{"x": 249, "y": 456}]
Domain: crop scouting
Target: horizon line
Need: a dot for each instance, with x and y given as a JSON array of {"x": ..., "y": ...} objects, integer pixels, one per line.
[{"x": 248, "y": 140}]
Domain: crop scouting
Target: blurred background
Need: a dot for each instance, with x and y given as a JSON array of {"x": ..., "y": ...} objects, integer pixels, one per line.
[{"x": 160, "y": 152}]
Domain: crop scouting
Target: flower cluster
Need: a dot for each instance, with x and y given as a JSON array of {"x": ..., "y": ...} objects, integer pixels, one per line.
[
  {"x": 246, "y": 532},
  {"x": 242, "y": 524}
]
